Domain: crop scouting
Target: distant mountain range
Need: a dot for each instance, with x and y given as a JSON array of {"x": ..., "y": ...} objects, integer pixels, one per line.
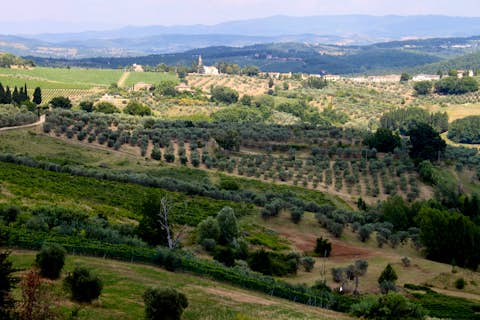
[{"x": 333, "y": 30}]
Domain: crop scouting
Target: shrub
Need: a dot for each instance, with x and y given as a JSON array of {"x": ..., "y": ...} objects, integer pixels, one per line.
[
  {"x": 51, "y": 260},
  {"x": 406, "y": 262},
  {"x": 7, "y": 283},
  {"x": 228, "y": 225},
  {"x": 323, "y": 247},
  {"x": 460, "y": 283},
  {"x": 224, "y": 95},
  {"x": 61, "y": 102},
  {"x": 308, "y": 263},
  {"x": 387, "y": 279},
  {"x": 137, "y": 109},
  {"x": 209, "y": 244},
  {"x": 208, "y": 229},
  {"x": 106, "y": 107},
  {"x": 224, "y": 255},
  {"x": 83, "y": 285},
  {"x": 390, "y": 306},
  {"x": 296, "y": 215},
  {"x": 164, "y": 304}
]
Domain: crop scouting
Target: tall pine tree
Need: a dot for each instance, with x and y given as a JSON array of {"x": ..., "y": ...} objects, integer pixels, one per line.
[
  {"x": 8, "y": 96},
  {"x": 37, "y": 95},
  {"x": 25, "y": 92},
  {"x": 16, "y": 96},
  {"x": 2, "y": 94}
]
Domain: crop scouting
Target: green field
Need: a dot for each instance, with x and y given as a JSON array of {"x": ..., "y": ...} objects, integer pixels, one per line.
[
  {"x": 125, "y": 283},
  {"x": 55, "y": 78},
  {"x": 148, "y": 77}
]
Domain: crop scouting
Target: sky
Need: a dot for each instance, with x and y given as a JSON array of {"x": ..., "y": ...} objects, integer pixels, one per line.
[{"x": 81, "y": 15}]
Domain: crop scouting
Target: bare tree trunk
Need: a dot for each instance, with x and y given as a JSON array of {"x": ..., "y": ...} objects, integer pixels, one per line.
[{"x": 164, "y": 221}]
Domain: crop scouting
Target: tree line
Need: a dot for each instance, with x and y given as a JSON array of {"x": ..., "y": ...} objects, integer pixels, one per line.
[{"x": 18, "y": 96}]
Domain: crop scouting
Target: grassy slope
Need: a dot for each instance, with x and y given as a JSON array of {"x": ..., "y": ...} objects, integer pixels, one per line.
[
  {"x": 34, "y": 144},
  {"x": 125, "y": 283},
  {"x": 148, "y": 77}
]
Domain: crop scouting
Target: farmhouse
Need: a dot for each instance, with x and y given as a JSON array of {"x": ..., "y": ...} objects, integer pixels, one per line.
[
  {"x": 137, "y": 68},
  {"x": 142, "y": 86},
  {"x": 206, "y": 70},
  {"x": 426, "y": 77}
]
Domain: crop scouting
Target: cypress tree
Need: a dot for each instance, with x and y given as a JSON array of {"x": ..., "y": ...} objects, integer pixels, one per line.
[
  {"x": 2, "y": 94},
  {"x": 25, "y": 91},
  {"x": 8, "y": 96},
  {"x": 21, "y": 95},
  {"x": 15, "y": 96},
  {"x": 37, "y": 95}
]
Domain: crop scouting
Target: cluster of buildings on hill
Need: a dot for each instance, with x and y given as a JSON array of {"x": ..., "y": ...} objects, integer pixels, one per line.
[{"x": 213, "y": 71}]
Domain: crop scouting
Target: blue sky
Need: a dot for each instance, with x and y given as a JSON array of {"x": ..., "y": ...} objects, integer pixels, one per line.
[{"x": 79, "y": 15}]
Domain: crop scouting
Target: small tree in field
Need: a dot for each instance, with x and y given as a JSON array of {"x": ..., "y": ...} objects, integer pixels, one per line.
[
  {"x": 51, "y": 260},
  {"x": 83, "y": 285},
  {"x": 164, "y": 304},
  {"x": 387, "y": 279}
]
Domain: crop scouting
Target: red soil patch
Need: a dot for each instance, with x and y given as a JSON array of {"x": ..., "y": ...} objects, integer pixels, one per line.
[{"x": 305, "y": 242}]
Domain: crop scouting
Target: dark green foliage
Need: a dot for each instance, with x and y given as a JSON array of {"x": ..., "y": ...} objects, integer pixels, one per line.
[
  {"x": 7, "y": 283},
  {"x": 308, "y": 263},
  {"x": 227, "y": 223},
  {"x": 422, "y": 87},
  {"x": 150, "y": 229},
  {"x": 37, "y": 95},
  {"x": 387, "y": 279},
  {"x": 87, "y": 106},
  {"x": 466, "y": 130},
  {"x": 224, "y": 95},
  {"x": 315, "y": 83},
  {"x": 224, "y": 255},
  {"x": 137, "y": 109},
  {"x": 396, "y": 211},
  {"x": 296, "y": 215},
  {"x": 426, "y": 143},
  {"x": 228, "y": 139},
  {"x": 446, "y": 307},
  {"x": 384, "y": 140},
  {"x": 454, "y": 85},
  {"x": 273, "y": 264},
  {"x": 246, "y": 100},
  {"x": 405, "y": 77},
  {"x": 164, "y": 304},
  {"x": 156, "y": 153},
  {"x": 50, "y": 260},
  {"x": 460, "y": 283},
  {"x": 208, "y": 229},
  {"x": 106, "y": 107},
  {"x": 83, "y": 285},
  {"x": 449, "y": 236},
  {"x": 61, "y": 102},
  {"x": 387, "y": 307},
  {"x": 323, "y": 248},
  {"x": 9, "y": 213},
  {"x": 404, "y": 119}
]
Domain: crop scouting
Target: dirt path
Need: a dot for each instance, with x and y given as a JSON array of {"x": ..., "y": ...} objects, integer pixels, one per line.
[
  {"x": 31, "y": 125},
  {"x": 123, "y": 78}
]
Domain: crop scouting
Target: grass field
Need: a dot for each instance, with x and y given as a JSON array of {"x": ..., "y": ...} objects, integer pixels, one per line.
[
  {"x": 125, "y": 283},
  {"x": 80, "y": 78}
]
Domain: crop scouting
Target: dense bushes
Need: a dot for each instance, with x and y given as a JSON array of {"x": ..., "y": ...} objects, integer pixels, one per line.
[
  {"x": 165, "y": 304},
  {"x": 11, "y": 115},
  {"x": 466, "y": 130},
  {"x": 387, "y": 307},
  {"x": 83, "y": 285},
  {"x": 50, "y": 261},
  {"x": 449, "y": 236},
  {"x": 454, "y": 85},
  {"x": 403, "y": 119},
  {"x": 104, "y": 107},
  {"x": 61, "y": 103},
  {"x": 273, "y": 264},
  {"x": 384, "y": 140},
  {"x": 224, "y": 95},
  {"x": 137, "y": 109}
]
